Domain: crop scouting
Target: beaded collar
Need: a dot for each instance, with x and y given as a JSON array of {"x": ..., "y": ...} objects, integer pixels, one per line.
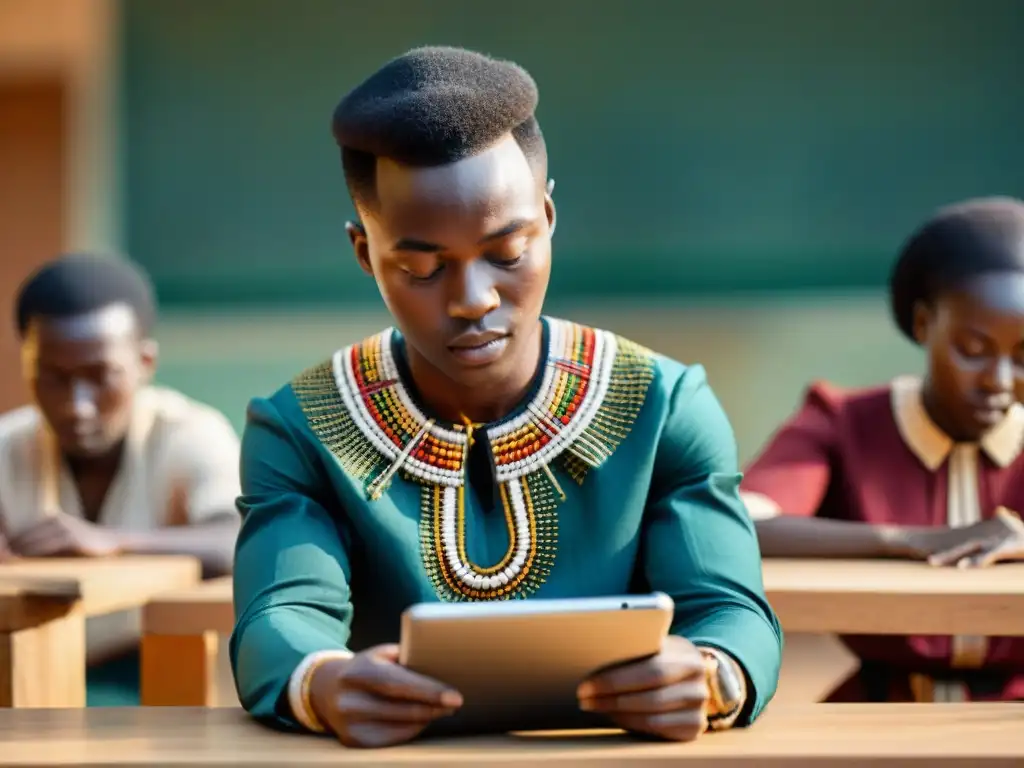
[{"x": 591, "y": 389}]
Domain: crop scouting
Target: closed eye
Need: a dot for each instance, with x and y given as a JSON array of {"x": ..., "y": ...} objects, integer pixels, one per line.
[
  {"x": 506, "y": 263},
  {"x": 425, "y": 278}
]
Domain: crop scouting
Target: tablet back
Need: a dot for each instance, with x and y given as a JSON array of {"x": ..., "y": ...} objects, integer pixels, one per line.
[{"x": 518, "y": 663}]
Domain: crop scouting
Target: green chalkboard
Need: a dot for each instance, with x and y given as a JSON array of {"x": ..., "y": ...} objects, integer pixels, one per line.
[{"x": 698, "y": 145}]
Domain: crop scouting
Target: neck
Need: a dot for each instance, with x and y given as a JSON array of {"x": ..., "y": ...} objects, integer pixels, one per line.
[
  {"x": 938, "y": 416},
  {"x": 457, "y": 402},
  {"x": 104, "y": 463}
]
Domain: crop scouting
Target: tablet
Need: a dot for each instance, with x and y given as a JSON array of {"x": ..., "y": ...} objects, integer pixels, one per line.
[{"x": 517, "y": 663}]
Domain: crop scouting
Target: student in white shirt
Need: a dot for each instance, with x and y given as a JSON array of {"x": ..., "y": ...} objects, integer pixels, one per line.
[{"x": 103, "y": 462}]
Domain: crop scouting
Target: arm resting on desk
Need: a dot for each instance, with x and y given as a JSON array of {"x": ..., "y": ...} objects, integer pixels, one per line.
[
  {"x": 783, "y": 489},
  {"x": 292, "y": 573},
  {"x": 212, "y": 542},
  {"x": 699, "y": 542}
]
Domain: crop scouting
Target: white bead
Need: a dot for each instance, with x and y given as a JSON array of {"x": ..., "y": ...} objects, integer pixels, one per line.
[{"x": 503, "y": 576}]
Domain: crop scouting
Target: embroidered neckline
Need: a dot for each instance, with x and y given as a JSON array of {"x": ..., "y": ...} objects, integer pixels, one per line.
[
  {"x": 578, "y": 363},
  {"x": 593, "y": 385}
]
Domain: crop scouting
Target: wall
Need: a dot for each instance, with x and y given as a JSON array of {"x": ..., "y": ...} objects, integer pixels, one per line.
[
  {"x": 698, "y": 145},
  {"x": 75, "y": 39}
]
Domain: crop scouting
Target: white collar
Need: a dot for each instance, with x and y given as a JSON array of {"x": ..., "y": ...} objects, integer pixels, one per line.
[{"x": 1003, "y": 443}]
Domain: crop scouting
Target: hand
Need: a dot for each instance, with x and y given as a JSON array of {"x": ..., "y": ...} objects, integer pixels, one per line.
[
  {"x": 372, "y": 701},
  {"x": 666, "y": 695},
  {"x": 63, "y": 534},
  {"x": 998, "y": 540}
]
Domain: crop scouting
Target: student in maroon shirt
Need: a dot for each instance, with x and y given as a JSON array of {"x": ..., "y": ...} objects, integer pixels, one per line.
[{"x": 924, "y": 468}]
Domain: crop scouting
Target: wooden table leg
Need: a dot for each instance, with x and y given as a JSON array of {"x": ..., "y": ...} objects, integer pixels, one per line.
[
  {"x": 44, "y": 665},
  {"x": 813, "y": 666},
  {"x": 179, "y": 670}
]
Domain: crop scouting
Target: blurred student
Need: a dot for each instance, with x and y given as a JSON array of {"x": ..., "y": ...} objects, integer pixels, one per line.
[
  {"x": 926, "y": 468},
  {"x": 104, "y": 463}
]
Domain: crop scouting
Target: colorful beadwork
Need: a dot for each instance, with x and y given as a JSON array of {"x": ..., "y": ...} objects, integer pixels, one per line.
[{"x": 592, "y": 389}]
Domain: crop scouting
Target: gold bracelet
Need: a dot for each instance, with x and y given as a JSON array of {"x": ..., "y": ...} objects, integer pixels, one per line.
[{"x": 299, "y": 687}]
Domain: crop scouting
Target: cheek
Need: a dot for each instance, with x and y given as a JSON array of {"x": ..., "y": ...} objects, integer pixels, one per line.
[
  {"x": 951, "y": 372},
  {"x": 528, "y": 285}
]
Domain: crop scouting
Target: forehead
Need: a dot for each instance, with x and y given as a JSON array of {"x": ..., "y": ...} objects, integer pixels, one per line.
[
  {"x": 996, "y": 296},
  {"x": 86, "y": 335},
  {"x": 492, "y": 186}
]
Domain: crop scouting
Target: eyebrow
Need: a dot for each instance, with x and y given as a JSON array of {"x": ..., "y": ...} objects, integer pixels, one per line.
[{"x": 421, "y": 246}]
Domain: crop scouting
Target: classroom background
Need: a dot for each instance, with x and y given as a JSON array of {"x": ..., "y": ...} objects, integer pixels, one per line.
[{"x": 733, "y": 177}]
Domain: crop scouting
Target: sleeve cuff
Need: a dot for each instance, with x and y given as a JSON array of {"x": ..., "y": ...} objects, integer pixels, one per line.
[
  {"x": 298, "y": 687},
  {"x": 759, "y": 506}
]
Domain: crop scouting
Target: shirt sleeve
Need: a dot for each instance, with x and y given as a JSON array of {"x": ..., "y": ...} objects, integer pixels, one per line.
[
  {"x": 792, "y": 473},
  {"x": 208, "y": 449},
  {"x": 699, "y": 542},
  {"x": 291, "y": 578}
]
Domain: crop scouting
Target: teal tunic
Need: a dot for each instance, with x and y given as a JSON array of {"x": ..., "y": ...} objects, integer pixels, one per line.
[{"x": 617, "y": 474}]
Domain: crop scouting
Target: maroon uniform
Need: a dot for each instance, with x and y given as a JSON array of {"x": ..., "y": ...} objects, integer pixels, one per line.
[{"x": 875, "y": 456}]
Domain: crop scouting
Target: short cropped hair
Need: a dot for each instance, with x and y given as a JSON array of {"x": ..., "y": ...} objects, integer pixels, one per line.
[
  {"x": 434, "y": 106},
  {"x": 77, "y": 284},
  {"x": 959, "y": 242}
]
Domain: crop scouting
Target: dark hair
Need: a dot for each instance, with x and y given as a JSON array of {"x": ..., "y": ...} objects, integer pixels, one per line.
[
  {"x": 76, "y": 284},
  {"x": 433, "y": 106},
  {"x": 957, "y": 243}
]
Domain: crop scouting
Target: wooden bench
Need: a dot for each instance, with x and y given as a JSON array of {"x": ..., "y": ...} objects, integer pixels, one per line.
[
  {"x": 43, "y": 608},
  {"x": 833, "y": 735}
]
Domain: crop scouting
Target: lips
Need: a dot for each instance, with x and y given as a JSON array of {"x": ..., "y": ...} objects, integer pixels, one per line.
[
  {"x": 475, "y": 340},
  {"x": 474, "y": 350}
]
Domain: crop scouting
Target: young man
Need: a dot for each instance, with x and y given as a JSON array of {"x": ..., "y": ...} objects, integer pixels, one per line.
[
  {"x": 103, "y": 463},
  {"x": 482, "y": 451}
]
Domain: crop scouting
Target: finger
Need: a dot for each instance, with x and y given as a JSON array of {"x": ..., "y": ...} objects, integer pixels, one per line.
[
  {"x": 981, "y": 553},
  {"x": 992, "y": 556},
  {"x": 953, "y": 555},
  {"x": 649, "y": 674},
  {"x": 356, "y": 705},
  {"x": 688, "y": 694},
  {"x": 368, "y": 735},
  {"x": 679, "y": 725},
  {"x": 392, "y": 681},
  {"x": 385, "y": 652}
]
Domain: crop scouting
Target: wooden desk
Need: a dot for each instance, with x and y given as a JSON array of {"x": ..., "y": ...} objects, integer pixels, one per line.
[
  {"x": 813, "y": 666},
  {"x": 181, "y": 644},
  {"x": 934, "y": 735},
  {"x": 822, "y": 597},
  {"x": 43, "y": 607},
  {"x": 873, "y": 597}
]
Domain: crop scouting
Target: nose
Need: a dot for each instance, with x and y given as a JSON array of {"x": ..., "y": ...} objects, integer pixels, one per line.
[
  {"x": 83, "y": 401},
  {"x": 473, "y": 293}
]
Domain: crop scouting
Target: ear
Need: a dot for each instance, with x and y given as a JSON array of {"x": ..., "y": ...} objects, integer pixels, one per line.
[
  {"x": 549, "y": 207},
  {"x": 357, "y": 234},
  {"x": 922, "y": 322},
  {"x": 149, "y": 352}
]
